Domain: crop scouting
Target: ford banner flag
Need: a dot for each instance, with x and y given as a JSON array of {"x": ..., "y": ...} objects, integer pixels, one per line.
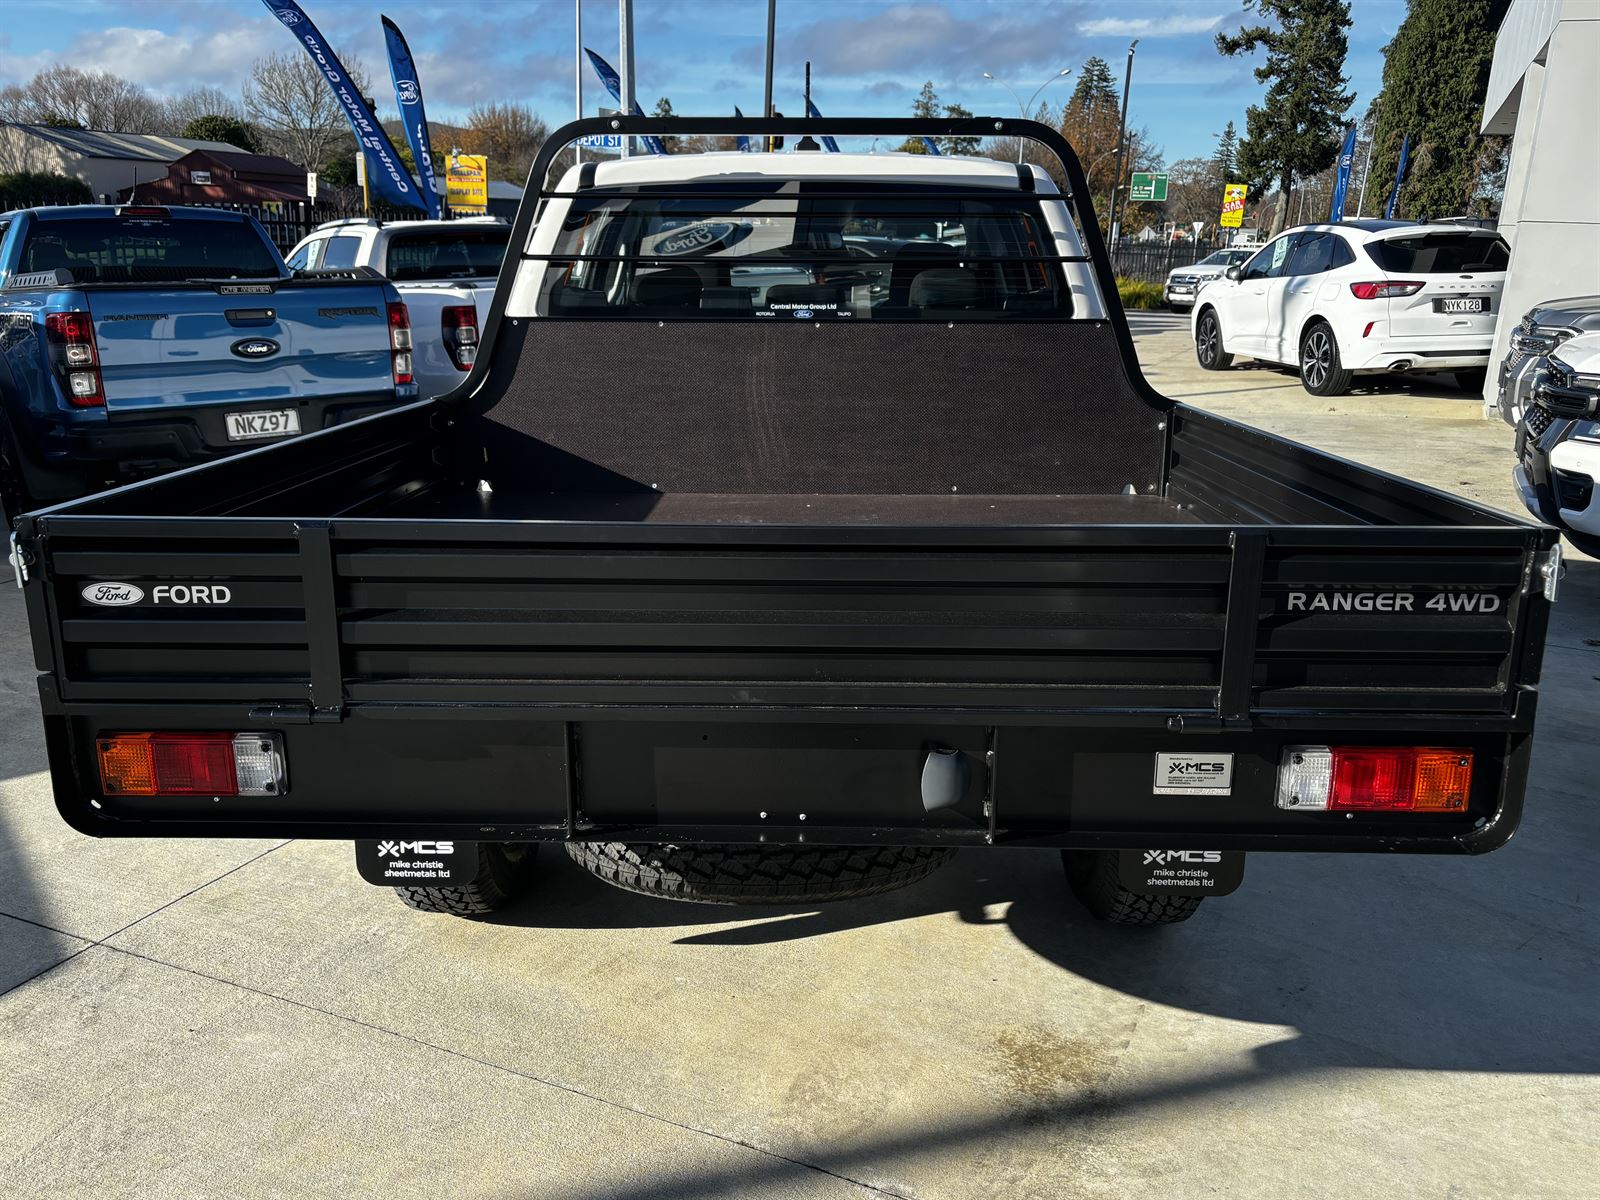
[
  {"x": 386, "y": 174},
  {"x": 408, "y": 99},
  {"x": 741, "y": 143},
  {"x": 828, "y": 144},
  {"x": 1341, "y": 185},
  {"x": 613, "y": 82},
  {"x": 1399, "y": 178}
]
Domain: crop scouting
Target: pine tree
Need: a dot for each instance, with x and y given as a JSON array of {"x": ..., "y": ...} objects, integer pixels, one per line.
[
  {"x": 1435, "y": 75},
  {"x": 664, "y": 109},
  {"x": 1295, "y": 132},
  {"x": 925, "y": 105},
  {"x": 1092, "y": 121},
  {"x": 1226, "y": 157}
]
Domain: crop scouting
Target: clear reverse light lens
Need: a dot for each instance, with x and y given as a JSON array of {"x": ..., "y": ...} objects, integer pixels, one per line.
[
  {"x": 1305, "y": 778},
  {"x": 258, "y": 764}
]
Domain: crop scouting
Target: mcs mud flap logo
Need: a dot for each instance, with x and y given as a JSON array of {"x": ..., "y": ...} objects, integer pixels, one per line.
[
  {"x": 396, "y": 849},
  {"x": 1165, "y": 858}
]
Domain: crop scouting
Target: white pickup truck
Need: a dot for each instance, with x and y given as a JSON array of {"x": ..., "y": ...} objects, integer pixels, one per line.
[{"x": 444, "y": 271}]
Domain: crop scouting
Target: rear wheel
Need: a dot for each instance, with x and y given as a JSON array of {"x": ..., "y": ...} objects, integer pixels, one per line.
[
  {"x": 1471, "y": 379},
  {"x": 1208, "y": 343},
  {"x": 504, "y": 871},
  {"x": 1321, "y": 372},
  {"x": 757, "y": 874},
  {"x": 1093, "y": 877}
]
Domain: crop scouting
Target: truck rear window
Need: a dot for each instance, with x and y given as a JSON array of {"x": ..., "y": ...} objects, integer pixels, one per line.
[
  {"x": 1441, "y": 253},
  {"x": 815, "y": 250},
  {"x": 446, "y": 254},
  {"x": 159, "y": 250}
]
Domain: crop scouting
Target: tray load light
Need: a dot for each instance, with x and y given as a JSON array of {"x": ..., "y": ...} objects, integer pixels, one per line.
[
  {"x": 1374, "y": 778},
  {"x": 191, "y": 764}
]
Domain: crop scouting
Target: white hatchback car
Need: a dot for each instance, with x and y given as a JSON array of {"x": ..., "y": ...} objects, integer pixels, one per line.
[{"x": 1359, "y": 297}]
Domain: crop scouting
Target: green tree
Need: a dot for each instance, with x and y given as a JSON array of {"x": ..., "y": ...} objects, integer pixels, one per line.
[
  {"x": 1296, "y": 131},
  {"x": 958, "y": 145},
  {"x": 214, "y": 127},
  {"x": 663, "y": 108},
  {"x": 925, "y": 105},
  {"x": 1091, "y": 120},
  {"x": 40, "y": 187},
  {"x": 1435, "y": 76},
  {"x": 1226, "y": 155}
]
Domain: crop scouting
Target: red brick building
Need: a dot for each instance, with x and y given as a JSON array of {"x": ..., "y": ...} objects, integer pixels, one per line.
[{"x": 223, "y": 177}]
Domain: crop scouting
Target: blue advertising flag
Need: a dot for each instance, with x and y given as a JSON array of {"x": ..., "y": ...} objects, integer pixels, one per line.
[
  {"x": 386, "y": 174},
  {"x": 613, "y": 82},
  {"x": 408, "y": 99},
  {"x": 1347, "y": 156},
  {"x": 828, "y": 144},
  {"x": 1399, "y": 178},
  {"x": 742, "y": 143},
  {"x": 933, "y": 146}
]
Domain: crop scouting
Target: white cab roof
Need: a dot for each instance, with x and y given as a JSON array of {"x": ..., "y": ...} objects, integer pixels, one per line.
[{"x": 728, "y": 166}]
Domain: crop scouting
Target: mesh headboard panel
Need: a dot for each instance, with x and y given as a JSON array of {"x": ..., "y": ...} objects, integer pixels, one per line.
[{"x": 896, "y": 408}]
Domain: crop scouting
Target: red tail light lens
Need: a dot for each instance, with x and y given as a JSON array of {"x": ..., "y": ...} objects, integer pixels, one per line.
[
  {"x": 1382, "y": 289},
  {"x": 459, "y": 325},
  {"x": 191, "y": 764},
  {"x": 75, "y": 358},
  {"x": 1375, "y": 778},
  {"x": 400, "y": 341}
]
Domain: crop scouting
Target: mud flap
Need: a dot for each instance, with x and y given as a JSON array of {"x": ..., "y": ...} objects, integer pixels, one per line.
[
  {"x": 1181, "y": 872},
  {"x": 417, "y": 864}
]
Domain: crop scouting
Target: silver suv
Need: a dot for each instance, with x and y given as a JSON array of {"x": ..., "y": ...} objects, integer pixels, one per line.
[{"x": 1545, "y": 327}]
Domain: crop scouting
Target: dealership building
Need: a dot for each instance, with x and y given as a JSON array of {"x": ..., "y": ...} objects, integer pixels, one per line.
[{"x": 1542, "y": 94}]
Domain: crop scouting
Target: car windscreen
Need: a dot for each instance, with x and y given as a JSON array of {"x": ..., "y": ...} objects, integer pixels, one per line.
[
  {"x": 1441, "y": 253},
  {"x": 446, "y": 254},
  {"x": 119, "y": 249},
  {"x": 814, "y": 250}
]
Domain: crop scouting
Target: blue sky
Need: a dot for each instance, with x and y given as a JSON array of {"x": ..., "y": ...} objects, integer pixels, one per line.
[{"x": 869, "y": 57}]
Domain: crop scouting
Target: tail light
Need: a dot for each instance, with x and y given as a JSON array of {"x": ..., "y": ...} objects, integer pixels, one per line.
[
  {"x": 400, "y": 341},
  {"x": 459, "y": 324},
  {"x": 191, "y": 764},
  {"x": 1375, "y": 779},
  {"x": 73, "y": 353},
  {"x": 1382, "y": 289}
]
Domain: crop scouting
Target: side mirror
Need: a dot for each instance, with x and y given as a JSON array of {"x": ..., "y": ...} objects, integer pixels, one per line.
[{"x": 1235, "y": 271}]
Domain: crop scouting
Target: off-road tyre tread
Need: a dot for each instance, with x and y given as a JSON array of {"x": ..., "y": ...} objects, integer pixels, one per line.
[
  {"x": 499, "y": 882},
  {"x": 1093, "y": 877},
  {"x": 757, "y": 875}
]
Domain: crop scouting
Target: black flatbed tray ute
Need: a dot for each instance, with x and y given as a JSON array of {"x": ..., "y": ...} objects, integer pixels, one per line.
[{"x": 795, "y": 502}]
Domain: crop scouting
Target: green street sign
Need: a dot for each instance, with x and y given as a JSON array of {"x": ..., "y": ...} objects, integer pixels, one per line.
[{"x": 1148, "y": 185}]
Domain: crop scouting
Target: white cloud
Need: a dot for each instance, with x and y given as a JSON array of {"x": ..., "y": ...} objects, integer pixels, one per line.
[
  {"x": 166, "y": 63},
  {"x": 1148, "y": 26}
]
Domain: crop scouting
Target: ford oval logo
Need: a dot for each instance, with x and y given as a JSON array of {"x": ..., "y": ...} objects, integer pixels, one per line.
[
  {"x": 255, "y": 348},
  {"x": 405, "y": 91},
  {"x": 112, "y": 595}
]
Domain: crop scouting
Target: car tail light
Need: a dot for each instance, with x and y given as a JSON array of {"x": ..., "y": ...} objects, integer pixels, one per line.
[
  {"x": 1382, "y": 289},
  {"x": 400, "y": 341},
  {"x": 145, "y": 212},
  {"x": 73, "y": 353},
  {"x": 1375, "y": 779},
  {"x": 459, "y": 323},
  {"x": 191, "y": 764}
]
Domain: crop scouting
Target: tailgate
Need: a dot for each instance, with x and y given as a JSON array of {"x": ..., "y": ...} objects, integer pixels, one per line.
[
  {"x": 194, "y": 345},
  {"x": 1428, "y": 312}
]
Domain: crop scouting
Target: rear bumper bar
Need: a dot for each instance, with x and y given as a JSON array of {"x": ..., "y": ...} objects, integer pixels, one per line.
[{"x": 510, "y": 773}]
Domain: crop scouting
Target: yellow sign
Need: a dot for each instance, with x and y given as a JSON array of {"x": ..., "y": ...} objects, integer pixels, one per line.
[
  {"x": 1233, "y": 196},
  {"x": 467, "y": 180}
]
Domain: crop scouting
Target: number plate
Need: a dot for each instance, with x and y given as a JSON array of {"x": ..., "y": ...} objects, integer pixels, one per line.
[
  {"x": 1462, "y": 304},
  {"x": 247, "y": 426}
]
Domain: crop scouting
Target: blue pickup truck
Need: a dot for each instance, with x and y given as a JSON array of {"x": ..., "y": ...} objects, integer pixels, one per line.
[{"x": 136, "y": 339}]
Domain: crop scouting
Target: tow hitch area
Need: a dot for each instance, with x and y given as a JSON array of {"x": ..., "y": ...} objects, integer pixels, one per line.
[
  {"x": 396, "y": 863},
  {"x": 1181, "y": 872}
]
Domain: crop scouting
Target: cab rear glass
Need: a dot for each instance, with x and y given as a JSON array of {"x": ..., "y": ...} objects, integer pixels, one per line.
[
  {"x": 123, "y": 249},
  {"x": 813, "y": 250},
  {"x": 446, "y": 254},
  {"x": 1441, "y": 253}
]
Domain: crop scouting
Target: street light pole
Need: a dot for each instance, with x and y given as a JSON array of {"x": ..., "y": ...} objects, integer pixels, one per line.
[
  {"x": 1122, "y": 147},
  {"x": 1024, "y": 109}
]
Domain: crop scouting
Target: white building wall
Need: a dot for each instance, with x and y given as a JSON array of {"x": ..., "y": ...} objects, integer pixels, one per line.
[{"x": 1547, "y": 92}]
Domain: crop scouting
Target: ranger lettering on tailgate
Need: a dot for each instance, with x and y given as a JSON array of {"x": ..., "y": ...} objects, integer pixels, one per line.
[{"x": 1393, "y": 602}]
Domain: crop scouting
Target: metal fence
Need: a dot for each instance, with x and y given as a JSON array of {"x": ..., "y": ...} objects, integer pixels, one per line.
[
  {"x": 288, "y": 222},
  {"x": 1150, "y": 261}
]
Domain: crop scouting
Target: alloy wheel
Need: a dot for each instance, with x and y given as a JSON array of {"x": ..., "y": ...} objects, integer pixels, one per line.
[{"x": 1316, "y": 359}]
